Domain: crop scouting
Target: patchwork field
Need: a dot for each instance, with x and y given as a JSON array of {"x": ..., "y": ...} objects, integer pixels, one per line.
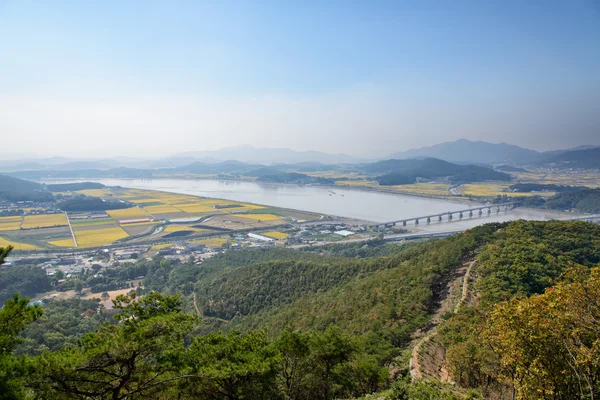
[
  {"x": 136, "y": 224},
  {"x": 575, "y": 178},
  {"x": 43, "y": 221}
]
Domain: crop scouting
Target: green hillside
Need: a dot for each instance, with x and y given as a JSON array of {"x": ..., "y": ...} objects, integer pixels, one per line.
[{"x": 282, "y": 323}]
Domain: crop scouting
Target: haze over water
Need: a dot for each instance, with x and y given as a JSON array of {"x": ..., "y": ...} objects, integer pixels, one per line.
[{"x": 359, "y": 204}]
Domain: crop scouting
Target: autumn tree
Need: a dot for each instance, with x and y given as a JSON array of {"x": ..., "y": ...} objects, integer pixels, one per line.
[{"x": 549, "y": 344}]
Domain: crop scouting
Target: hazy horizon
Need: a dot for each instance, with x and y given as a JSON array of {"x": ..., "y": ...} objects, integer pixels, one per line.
[{"x": 153, "y": 79}]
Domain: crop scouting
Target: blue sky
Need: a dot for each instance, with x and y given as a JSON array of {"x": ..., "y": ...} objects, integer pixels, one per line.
[{"x": 346, "y": 76}]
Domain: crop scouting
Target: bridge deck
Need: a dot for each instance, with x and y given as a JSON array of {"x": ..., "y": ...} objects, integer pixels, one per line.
[{"x": 449, "y": 213}]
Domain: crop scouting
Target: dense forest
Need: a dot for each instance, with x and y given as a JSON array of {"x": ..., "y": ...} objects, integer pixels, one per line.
[
  {"x": 92, "y": 204},
  {"x": 587, "y": 200},
  {"x": 326, "y": 323},
  {"x": 582, "y": 200}
]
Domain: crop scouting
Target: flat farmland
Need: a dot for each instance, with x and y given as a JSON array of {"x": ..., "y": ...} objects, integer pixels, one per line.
[
  {"x": 198, "y": 208},
  {"x": 574, "y": 178},
  {"x": 111, "y": 224},
  {"x": 211, "y": 242},
  {"x": 10, "y": 223},
  {"x": 176, "y": 215},
  {"x": 50, "y": 231},
  {"x": 161, "y": 209},
  {"x": 39, "y": 235},
  {"x": 490, "y": 189},
  {"x": 43, "y": 221},
  {"x": 91, "y": 222},
  {"x": 99, "y": 237},
  {"x": 260, "y": 217},
  {"x": 276, "y": 234},
  {"x": 62, "y": 243},
  {"x": 139, "y": 229},
  {"x": 17, "y": 245},
  {"x": 128, "y": 213},
  {"x": 235, "y": 222}
]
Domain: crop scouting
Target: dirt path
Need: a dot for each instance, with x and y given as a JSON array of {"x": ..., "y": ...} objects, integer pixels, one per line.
[
  {"x": 465, "y": 287},
  {"x": 463, "y": 273},
  {"x": 198, "y": 313}
]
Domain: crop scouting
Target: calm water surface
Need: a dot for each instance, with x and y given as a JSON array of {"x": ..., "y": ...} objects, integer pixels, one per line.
[{"x": 359, "y": 204}]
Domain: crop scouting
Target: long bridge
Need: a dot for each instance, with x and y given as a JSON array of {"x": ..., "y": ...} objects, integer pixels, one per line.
[{"x": 449, "y": 214}]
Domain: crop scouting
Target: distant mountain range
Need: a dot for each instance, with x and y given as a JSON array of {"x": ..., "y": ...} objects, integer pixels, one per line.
[
  {"x": 465, "y": 151},
  {"x": 253, "y": 154},
  {"x": 459, "y": 152},
  {"x": 588, "y": 158}
]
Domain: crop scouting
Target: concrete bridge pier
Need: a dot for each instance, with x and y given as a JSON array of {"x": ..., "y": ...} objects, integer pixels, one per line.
[
  {"x": 498, "y": 210},
  {"x": 480, "y": 212},
  {"x": 460, "y": 215},
  {"x": 505, "y": 208},
  {"x": 489, "y": 210},
  {"x": 416, "y": 222},
  {"x": 403, "y": 223},
  {"x": 440, "y": 218},
  {"x": 470, "y": 213},
  {"x": 449, "y": 217},
  {"x": 428, "y": 219}
]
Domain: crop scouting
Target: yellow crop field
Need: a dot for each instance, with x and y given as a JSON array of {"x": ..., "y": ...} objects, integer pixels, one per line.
[
  {"x": 62, "y": 243},
  {"x": 96, "y": 192},
  {"x": 164, "y": 209},
  {"x": 10, "y": 223},
  {"x": 179, "y": 228},
  {"x": 439, "y": 189},
  {"x": 196, "y": 208},
  {"x": 244, "y": 207},
  {"x": 211, "y": 242},
  {"x": 490, "y": 189},
  {"x": 99, "y": 237},
  {"x": 276, "y": 235},
  {"x": 18, "y": 246},
  {"x": 42, "y": 221},
  {"x": 358, "y": 183},
  {"x": 161, "y": 246},
  {"x": 128, "y": 213},
  {"x": 261, "y": 217}
]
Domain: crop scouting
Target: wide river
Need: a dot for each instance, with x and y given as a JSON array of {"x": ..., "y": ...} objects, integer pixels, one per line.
[{"x": 359, "y": 204}]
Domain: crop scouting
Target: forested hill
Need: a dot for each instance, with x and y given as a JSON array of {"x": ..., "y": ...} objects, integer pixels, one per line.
[
  {"x": 339, "y": 322},
  {"x": 398, "y": 172},
  {"x": 10, "y": 184}
]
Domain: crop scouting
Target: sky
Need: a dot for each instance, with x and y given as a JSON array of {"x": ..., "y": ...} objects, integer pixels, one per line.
[{"x": 153, "y": 78}]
